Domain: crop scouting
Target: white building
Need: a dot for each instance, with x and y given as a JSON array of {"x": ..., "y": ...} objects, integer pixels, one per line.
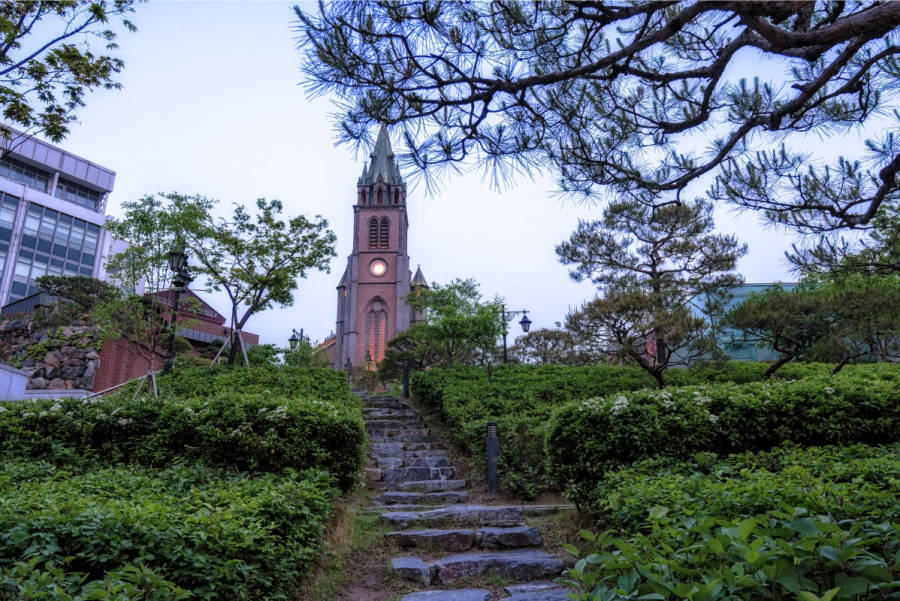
[{"x": 52, "y": 212}]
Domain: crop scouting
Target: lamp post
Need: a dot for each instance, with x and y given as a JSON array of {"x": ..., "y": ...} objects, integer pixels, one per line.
[
  {"x": 296, "y": 338},
  {"x": 180, "y": 280},
  {"x": 524, "y": 322}
]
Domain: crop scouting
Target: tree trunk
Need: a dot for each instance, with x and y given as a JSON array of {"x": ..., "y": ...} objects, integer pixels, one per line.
[
  {"x": 660, "y": 377},
  {"x": 774, "y": 367},
  {"x": 233, "y": 351}
]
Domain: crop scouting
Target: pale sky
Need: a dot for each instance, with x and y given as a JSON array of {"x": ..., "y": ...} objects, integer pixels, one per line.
[{"x": 212, "y": 104}]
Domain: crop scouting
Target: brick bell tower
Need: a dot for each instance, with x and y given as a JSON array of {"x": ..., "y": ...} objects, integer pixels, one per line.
[{"x": 370, "y": 306}]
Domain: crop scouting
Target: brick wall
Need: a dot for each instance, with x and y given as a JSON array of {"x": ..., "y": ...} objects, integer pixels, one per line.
[{"x": 121, "y": 360}]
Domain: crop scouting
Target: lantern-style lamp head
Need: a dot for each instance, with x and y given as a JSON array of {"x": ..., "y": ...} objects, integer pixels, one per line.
[
  {"x": 294, "y": 340},
  {"x": 177, "y": 258},
  {"x": 525, "y": 322}
]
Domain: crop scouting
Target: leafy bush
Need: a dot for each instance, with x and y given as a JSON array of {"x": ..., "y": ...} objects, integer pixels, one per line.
[
  {"x": 522, "y": 399},
  {"x": 263, "y": 432},
  {"x": 218, "y": 380},
  {"x": 589, "y": 438},
  {"x": 789, "y": 523},
  {"x": 129, "y": 533}
]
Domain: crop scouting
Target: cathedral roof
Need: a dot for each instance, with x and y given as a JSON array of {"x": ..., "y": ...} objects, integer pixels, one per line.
[
  {"x": 345, "y": 280},
  {"x": 383, "y": 165},
  {"x": 419, "y": 279}
]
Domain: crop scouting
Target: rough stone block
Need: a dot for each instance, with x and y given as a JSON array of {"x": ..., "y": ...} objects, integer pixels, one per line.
[
  {"x": 510, "y": 565},
  {"x": 471, "y": 594},
  {"x": 508, "y": 538},
  {"x": 445, "y": 540},
  {"x": 462, "y": 515},
  {"x": 412, "y": 568}
]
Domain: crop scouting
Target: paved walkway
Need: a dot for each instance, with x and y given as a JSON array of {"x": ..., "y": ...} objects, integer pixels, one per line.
[{"x": 447, "y": 541}]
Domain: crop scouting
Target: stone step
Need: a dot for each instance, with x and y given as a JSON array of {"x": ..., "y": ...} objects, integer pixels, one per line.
[
  {"x": 400, "y": 462},
  {"x": 462, "y": 515},
  {"x": 411, "y": 423},
  {"x": 370, "y": 404},
  {"x": 406, "y": 474},
  {"x": 398, "y": 449},
  {"x": 428, "y": 498},
  {"x": 537, "y": 591},
  {"x": 408, "y": 438},
  {"x": 464, "y": 539},
  {"x": 396, "y": 433},
  {"x": 467, "y": 594},
  {"x": 429, "y": 485},
  {"x": 392, "y": 454},
  {"x": 387, "y": 412},
  {"x": 514, "y": 566}
]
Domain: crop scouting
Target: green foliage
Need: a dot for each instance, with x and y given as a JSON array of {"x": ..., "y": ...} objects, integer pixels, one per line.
[
  {"x": 817, "y": 523},
  {"x": 462, "y": 328},
  {"x": 84, "y": 291},
  {"x": 523, "y": 398},
  {"x": 44, "y": 80},
  {"x": 649, "y": 263},
  {"x": 588, "y": 438},
  {"x": 127, "y": 533},
  {"x": 304, "y": 355},
  {"x": 237, "y": 418}
]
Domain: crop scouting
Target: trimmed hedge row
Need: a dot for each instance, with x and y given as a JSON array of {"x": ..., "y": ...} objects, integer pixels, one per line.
[
  {"x": 523, "y": 398},
  {"x": 128, "y": 532},
  {"x": 586, "y": 439},
  {"x": 248, "y": 432}
]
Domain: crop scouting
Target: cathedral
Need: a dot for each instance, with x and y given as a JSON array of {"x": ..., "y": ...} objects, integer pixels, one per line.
[{"x": 371, "y": 305}]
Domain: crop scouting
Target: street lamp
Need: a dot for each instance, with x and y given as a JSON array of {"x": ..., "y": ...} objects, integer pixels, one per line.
[
  {"x": 524, "y": 322},
  {"x": 180, "y": 280},
  {"x": 296, "y": 338}
]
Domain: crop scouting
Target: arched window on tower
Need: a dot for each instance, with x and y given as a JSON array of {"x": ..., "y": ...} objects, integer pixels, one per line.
[
  {"x": 384, "y": 235},
  {"x": 373, "y": 232},
  {"x": 377, "y": 330},
  {"x": 378, "y": 196},
  {"x": 396, "y": 197}
]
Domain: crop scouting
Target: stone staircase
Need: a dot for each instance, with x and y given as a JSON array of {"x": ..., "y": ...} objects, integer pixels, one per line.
[{"x": 427, "y": 508}]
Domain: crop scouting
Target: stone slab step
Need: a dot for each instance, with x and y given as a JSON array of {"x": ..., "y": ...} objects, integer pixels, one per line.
[
  {"x": 408, "y": 438},
  {"x": 392, "y": 421},
  {"x": 388, "y": 412},
  {"x": 385, "y": 454},
  {"x": 510, "y": 565},
  {"x": 467, "y": 594},
  {"x": 407, "y": 474},
  {"x": 427, "y": 498},
  {"x": 465, "y": 539},
  {"x": 546, "y": 594},
  {"x": 531, "y": 587},
  {"x": 399, "y": 462},
  {"x": 461, "y": 515},
  {"x": 429, "y": 485},
  {"x": 397, "y": 449},
  {"x": 412, "y": 568},
  {"x": 392, "y": 433},
  {"x": 385, "y": 404}
]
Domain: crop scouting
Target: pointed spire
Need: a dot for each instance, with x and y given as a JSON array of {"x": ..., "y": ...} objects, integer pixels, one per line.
[
  {"x": 419, "y": 279},
  {"x": 362, "y": 177},
  {"x": 383, "y": 164}
]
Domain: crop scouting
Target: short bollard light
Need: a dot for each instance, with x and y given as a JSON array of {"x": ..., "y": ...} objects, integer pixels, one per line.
[{"x": 493, "y": 450}]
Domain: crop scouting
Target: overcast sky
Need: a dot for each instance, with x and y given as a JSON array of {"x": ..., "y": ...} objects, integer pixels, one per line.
[{"x": 212, "y": 104}]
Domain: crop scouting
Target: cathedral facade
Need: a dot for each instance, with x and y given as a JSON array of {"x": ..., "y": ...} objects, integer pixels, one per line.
[{"x": 371, "y": 305}]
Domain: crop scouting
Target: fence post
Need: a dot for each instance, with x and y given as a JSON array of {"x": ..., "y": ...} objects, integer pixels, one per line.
[{"x": 493, "y": 448}]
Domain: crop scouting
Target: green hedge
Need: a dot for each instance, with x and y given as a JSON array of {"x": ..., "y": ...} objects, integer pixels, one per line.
[
  {"x": 784, "y": 524},
  {"x": 522, "y": 399},
  {"x": 129, "y": 532},
  {"x": 211, "y": 381},
  {"x": 588, "y": 438},
  {"x": 260, "y": 432}
]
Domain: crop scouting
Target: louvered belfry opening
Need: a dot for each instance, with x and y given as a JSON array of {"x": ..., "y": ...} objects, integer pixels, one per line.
[
  {"x": 373, "y": 232},
  {"x": 384, "y": 233}
]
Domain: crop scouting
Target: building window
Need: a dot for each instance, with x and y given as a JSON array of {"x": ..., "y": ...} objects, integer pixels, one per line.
[
  {"x": 8, "y": 206},
  {"x": 378, "y": 196},
  {"x": 384, "y": 236},
  {"x": 373, "y": 232},
  {"x": 52, "y": 243},
  {"x": 80, "y": 195},
  {"x": 22, "y": 172},
  {"x": 377, "y": 330}
]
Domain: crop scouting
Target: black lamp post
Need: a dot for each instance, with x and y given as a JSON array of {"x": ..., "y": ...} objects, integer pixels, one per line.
[
  {"x": 180, "y": 279},
  {"x": 524, "y": 322},
  {"x": 294, "y": 340}
]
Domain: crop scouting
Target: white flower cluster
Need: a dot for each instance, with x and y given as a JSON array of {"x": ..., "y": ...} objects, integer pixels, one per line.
[
  {"x": 591, "y": 404},
  {"x": 700, "y": 399},
  {"x": 278, "y": 413},
  {"x": 124, "y": 421},
  {"x": 56, "y": 407},
  {"x": 620, "y": 403},
  {"x": 713, "y": 418},
  {"x": 2, "y": 410}
]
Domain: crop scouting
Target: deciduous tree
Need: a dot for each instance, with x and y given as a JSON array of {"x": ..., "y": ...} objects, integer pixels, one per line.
[
  {"x": 649, "y": 264},
  {"x": 613, "y": 95},
  {"x": 48, "y": 63}
]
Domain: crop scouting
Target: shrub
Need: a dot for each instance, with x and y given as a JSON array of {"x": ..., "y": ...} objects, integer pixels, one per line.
[
  {"x": 214, "y": 534},
  {"x": 589, "y": 438},
  {"x": 262, "y": 432},
  {"x": 799, "y": 523}
]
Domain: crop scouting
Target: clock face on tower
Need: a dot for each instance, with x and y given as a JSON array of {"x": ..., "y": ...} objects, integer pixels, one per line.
[{"x": 378, "y": 268}]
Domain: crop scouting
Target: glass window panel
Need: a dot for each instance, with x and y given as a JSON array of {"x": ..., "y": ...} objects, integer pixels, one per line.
[
  {"x": 32, "y": 223},
  {"x": 62, "y": 232},
  {"x": 28, "y": 241},
  {"x": 44, "y": 245},
  {"x": 34, "y": 209},
  {"x": 26, "y": 254},
  {"x": 25, "y": 173},
  {"x": 38, "y": 270},
  {"x": 59, "y": 251},
  {"x": 56, "y": 262},
  {"x": 65, "y": 218},
  {"x": 86, "y": 271},
  {"x": 71, "y": 271},
  {"x": 74, "y": 254},
  {"x": 87, "y": 258},
  {"x": 50, "y": 214},
  {"x": 19, "y": 288},
  {"x": 23, "y": 268}
]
